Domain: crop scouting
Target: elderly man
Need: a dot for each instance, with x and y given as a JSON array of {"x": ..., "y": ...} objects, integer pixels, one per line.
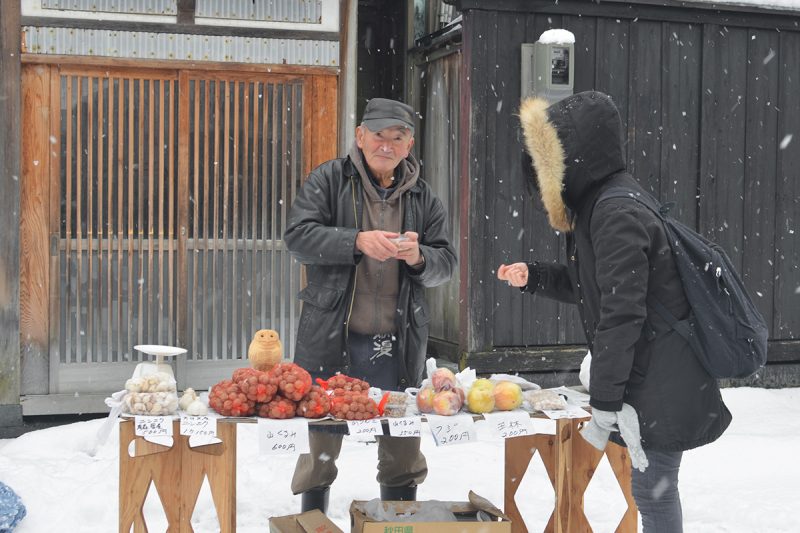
[{"x": 372, "y": 236}]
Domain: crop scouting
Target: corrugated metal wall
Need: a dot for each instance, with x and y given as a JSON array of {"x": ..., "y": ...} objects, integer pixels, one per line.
[
  {"x": 304, "y": 11},
  {"x": 144, "y": 7},
  {"x": 148, "y": 45}
]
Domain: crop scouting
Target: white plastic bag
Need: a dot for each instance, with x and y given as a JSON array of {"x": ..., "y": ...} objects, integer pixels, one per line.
[{"x": 584, "y": 373}]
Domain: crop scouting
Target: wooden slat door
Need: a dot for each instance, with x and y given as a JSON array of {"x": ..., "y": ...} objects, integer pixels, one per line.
[
  {"x": 162, "y": 199},
  {"x": 244, "y": 167}
]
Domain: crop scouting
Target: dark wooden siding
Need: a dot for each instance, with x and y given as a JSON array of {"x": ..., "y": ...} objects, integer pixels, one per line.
[
  {"x": 438, "y": 95},
  {"x": 709, "y": 100},
  {"x": 787, "y": 205}
]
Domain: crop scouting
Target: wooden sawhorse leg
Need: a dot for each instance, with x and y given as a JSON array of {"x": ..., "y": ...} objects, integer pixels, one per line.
[
  {"x": 519, "y": 452},
  {"x": 585, "y": 459},
  {"x": 570, "y": 463},
  {"x": 218, "y": 463},
  {"x": 177, "y": 473},
  {"x": 154, "y": 463}
]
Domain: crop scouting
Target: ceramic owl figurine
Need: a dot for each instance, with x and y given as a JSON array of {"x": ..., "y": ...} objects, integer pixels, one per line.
[{"x": 266, "y": 350}]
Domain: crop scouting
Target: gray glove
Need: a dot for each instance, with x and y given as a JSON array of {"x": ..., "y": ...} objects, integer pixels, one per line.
[{"x": 626, "y": 421}]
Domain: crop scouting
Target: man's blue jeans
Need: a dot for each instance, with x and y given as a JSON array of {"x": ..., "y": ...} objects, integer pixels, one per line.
[{"x": 656, "y": 493}]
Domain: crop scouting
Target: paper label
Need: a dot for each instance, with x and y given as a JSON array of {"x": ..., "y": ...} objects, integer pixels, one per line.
[
  {"x": 572, "y": 411},
  {"x": 449, "y": 430},
  {"x": 509, "y": 424},
  {"x": 153, "y": 426},
  {"x": 279, "y": 437},
  {"x": 409, "y": 426},
  {"x": 365, "y": 430},
  {"x": 199, "y": 426}
]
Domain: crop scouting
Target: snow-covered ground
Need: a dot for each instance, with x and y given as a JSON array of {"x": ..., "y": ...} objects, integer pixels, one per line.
[{"x": 747, "y": 482}]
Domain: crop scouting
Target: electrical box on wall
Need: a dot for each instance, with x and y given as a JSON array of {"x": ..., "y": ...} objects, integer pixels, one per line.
[{"x": 548, "y": 66}]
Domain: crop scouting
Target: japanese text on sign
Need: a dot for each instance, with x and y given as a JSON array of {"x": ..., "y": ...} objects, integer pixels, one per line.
[
  {"x": 153, "y": 426},
  {"x": 199, "y": 426},
  {"x": 276, "y": 437},
  {"x": 365, "y": 429},
  {"x": 410, "y": 426},
  {"x": 510, "y": 424},
  {"x": 448, "y": 430}
]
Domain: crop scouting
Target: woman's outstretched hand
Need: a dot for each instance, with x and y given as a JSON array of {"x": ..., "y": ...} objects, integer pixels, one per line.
[{"x": 515, "y": 274}]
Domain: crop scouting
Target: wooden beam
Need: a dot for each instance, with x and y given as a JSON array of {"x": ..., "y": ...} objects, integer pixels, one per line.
[
  {"x": 782, "y": 355},
  {"x": 10, "y": 133},
  {"x": 510, "y": 360},
  {"x": 103, "y": 62},
  {"x": 34, "y": 229},
  {"x": 186, "y": 9},
  {"x": 662, "y": 10}
]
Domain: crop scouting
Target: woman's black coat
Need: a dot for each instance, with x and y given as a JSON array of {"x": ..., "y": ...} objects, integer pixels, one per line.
[{"x": 618, "y": 260}]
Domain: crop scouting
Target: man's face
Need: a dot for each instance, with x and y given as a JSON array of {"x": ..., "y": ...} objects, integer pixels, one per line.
[{"x": 384, "y": 149}]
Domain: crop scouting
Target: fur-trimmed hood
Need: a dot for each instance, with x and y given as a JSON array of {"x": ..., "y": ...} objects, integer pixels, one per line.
[{"x": 575, "y": 144}]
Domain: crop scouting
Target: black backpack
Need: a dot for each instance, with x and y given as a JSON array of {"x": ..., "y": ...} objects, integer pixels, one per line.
[{"x": 724, "y": 328}]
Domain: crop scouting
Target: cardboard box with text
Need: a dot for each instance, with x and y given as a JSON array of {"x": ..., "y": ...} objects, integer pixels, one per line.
[{"x": 478, "y": 515}]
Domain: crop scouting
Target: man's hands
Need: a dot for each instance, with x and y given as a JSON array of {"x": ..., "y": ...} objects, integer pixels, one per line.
[
  {"x": 379, "y": 245},
  {"x": 515, "y": 274}
]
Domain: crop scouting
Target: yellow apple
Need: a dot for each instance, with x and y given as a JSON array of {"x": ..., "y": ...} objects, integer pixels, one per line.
[
  {"x": 480, "y": 398},
  {"x": 507, "y": 395}
]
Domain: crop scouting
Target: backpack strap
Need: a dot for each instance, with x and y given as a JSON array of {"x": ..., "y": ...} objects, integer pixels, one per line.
[{"x": 681, "y": 326}]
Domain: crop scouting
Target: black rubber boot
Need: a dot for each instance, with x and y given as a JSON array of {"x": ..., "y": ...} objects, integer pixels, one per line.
[
  {"x": 315, "y": 499},
  {"x": 399, "y": 494}
]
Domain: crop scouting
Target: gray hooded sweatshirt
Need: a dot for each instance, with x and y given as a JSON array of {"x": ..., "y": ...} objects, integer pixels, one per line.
[{"x": 378, "y": 282}]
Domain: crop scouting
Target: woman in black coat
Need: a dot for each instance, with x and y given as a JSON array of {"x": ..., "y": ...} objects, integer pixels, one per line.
[{"x": 619, "y": 259}]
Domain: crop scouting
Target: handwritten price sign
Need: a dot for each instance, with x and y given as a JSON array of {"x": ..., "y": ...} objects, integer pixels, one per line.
[
  {"x": 410, "y": 426},
  {"x": 153, "y": 426},
  {"x": 278, "y": 437},
  {"x": 199, "y": 426},
  {"x": 449, "y": 430},
  {"x": 510, "y": 424},
  {"x": 365, "y": 430}
]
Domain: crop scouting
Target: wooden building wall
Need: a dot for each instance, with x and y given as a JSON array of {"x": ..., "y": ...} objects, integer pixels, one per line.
[
  {"x": 151, "y": 188},
  {"x": 10, "y": 410},
  {"x": 710, "y": 101}
]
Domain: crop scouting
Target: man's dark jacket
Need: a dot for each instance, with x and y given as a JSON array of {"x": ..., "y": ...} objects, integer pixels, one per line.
[
  {"x": 619, "y": 259},
  {"x": 324, "y": 220}
]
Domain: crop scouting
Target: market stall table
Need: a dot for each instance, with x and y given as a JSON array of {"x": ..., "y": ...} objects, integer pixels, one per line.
[{"x": 177, "y": 472}]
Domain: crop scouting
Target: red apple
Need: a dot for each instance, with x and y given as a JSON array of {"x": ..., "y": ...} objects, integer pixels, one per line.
[
  {"x": 447, "y": 402},
  {"x": 425, "y": 399},
  {"x": 443, "y": 379}
]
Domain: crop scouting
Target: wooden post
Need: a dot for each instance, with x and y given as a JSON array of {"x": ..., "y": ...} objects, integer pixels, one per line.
[
  {"x": 152, "y": 463},
  {"x": 218, "y": 463},
  {"x": 10, "y": 361}
]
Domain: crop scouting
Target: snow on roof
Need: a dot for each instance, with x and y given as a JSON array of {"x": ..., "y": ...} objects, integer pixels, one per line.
[{"x": 793, "y": 5}]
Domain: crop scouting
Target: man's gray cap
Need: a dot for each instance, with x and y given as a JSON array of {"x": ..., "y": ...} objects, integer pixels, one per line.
[{"x": 382, "y": 113}]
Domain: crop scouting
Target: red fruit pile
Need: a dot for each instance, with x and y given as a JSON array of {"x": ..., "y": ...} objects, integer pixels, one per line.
[
  {"x": 227, "y": 399},
  {"x": 258, "y": 386},
  {"x": 340, "y": 384},
  {"x": 293, "y": 381},
  {"x": 278, "y": 408},
  {"x": 272, "y": 394},
  {"x": 315, "y": 404},
  {"x": 353, "y": 406}
]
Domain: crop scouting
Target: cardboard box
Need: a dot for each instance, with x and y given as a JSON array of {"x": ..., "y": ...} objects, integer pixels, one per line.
[
  {"x": 309, "y": 522},
  {"x": 466, "y": 515}
]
